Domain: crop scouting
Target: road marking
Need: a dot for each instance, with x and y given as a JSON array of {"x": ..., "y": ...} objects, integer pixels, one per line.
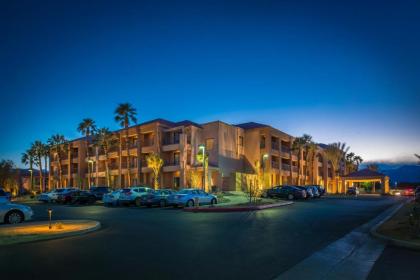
[{"x": 349, "y": 258}]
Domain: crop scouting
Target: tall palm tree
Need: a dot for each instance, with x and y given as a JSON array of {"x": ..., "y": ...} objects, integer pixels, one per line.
[
  {"x": 87, "y": 127},
  {"x": 336, "y": 154},
  {"x": 310, "y": 151},
  {"x": 28, "y": 159},
  {"x": 39, "y": 152},
  {"x": 349, "y": 162},
  {"x": 58, "y": 145},
  {"x": 125, "y": 114},
  {"x": 104, "y": 139},
  {"x": 299, "y": 143}
]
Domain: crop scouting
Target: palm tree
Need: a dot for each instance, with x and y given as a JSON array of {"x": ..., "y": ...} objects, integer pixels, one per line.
[
  {"x": 155, "y": 162},
  {"x": 104, "y": 139},
  {"x": 58, "y": 145},
  {"x": 38, "y": 149},
  {"x": 125, "y": 114},
  {"x": 349, "y": 162},
  {"x": 310, "y": 151},
  {"x": 298, "y": 145},
  {"x": 357, "y": 160},
  {"x": 336, "y": 154},
  {"x": 28, "y": 159},
  {"x": 87, "y": 127}
]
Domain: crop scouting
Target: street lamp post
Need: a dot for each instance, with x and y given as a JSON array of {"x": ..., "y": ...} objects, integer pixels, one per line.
[
  {"x": 264, "y": 157},
  {"x": 202, "y": 148}
]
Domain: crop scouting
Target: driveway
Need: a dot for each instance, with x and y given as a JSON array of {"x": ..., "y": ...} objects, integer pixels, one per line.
[{"x": 155, "y": 243}]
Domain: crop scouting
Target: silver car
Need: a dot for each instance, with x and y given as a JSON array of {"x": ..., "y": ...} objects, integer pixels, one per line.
[
  {"x": 189, "y": 197},
  {"x": 11, "y": 213}
]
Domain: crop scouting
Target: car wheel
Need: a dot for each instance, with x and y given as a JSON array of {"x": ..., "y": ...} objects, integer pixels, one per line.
[
  {"x": 138, "y": 202},
  {"x": 213, "y": 201},
  {"x": 190, "y": 203},
  {"x": 162, "y": 203},
  {"x": 290, "y": 196},
  {"x": 14, "y": 217}
]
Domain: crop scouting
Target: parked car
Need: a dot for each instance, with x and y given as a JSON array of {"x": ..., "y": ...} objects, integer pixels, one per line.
[
  {"x": 158, "y": 198},
  {"x": 82, "y": 197},
  {"x": 133, "y": 195},
  {"x": 52, "y": 195},
  {"x": 315, "y": 191},
  {"x": 65, "y": 196},
  {"x": 188, "y": 198},
  {"x": 308, "y": 190},
  {"x": 112, "y": 198},
  {"x": 322, "y": 191},
  {"x": 11, "y": 213},
  {"x": 99, "y": 192},
  {"x": 353, "y": 191},
  {"x": 5, "y": 195},
  {"x": 288, "y": 192}
]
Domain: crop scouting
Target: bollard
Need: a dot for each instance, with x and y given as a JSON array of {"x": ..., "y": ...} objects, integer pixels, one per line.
[{"x": 49, "y": 217}]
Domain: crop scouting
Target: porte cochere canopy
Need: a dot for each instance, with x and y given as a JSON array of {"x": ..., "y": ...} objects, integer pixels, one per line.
[{"x": 366, "y": 175}]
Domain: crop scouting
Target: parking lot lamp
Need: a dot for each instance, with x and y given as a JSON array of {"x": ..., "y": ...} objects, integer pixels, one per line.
[
  {"x": 202, "y": 148},
  {"x": 264, "y": 157}
]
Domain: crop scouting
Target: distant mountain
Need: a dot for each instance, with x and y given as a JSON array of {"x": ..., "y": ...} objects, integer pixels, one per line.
[
  {"x": 398, "y": 172},
  {"x": 405, "y": 173}
]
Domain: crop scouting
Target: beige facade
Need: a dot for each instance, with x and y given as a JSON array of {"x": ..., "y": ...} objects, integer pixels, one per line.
[{"x": 232, "y": 152}]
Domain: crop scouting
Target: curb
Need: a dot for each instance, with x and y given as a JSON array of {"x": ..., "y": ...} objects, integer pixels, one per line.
[
  {"x": 96, "y": 226},
  {"x": 390, "y": 240},
  {"x": 236, "y": 209}
]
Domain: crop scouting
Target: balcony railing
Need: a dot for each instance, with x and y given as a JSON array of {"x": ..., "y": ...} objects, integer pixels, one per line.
[
  {"x": 275, "y": 146},
  {"x": 275, "y": 165},
  {"x": 285, "y": 167},
  {"x": 285, "y": 150},
  {"x": 294, "y": 169},
  {"x": 172, "y": 162}
]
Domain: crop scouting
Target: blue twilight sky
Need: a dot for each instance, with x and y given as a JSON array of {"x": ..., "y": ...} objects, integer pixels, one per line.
[{"x": 339, "y": 70}]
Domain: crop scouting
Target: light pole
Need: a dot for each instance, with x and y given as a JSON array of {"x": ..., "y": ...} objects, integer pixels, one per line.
[
  {"x": 264, "y": 157},
  {"x": 90, "y": 162},
  {"x": 202, "y": 148},
  {"x": 32, "y": 179}
]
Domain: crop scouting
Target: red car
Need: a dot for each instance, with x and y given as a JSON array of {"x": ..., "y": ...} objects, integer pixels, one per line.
[{"x": 408, "y": 192}]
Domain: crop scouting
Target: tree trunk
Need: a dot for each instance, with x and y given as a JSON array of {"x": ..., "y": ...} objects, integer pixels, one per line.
[
  {"x": 41, "y": 177},
  {"x": 32, "y": 176},
  {"x": 128, "y": 157},
  {"x": 119, "y": 162},
  {"x": 60, "y": 175},
  {"x": 87, "y": 157}
]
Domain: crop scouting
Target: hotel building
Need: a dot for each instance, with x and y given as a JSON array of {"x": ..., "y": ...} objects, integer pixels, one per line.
[{"x": 232, "y": 153}]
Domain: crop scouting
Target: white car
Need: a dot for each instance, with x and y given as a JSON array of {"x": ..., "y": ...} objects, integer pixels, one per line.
[
  {"x": 53, "y": 195},
  {"x": 133, "y": 195},
  {"x": 112, "y": 198},
  {"x": 11, "y": 213},
  {"x": 189, "y": 197}
]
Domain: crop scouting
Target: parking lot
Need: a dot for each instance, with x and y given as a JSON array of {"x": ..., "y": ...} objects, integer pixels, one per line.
[{"x": 170, "y": 243}]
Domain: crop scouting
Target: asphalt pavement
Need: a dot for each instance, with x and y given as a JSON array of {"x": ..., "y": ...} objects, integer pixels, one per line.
[{"x": 168, "y": 243}]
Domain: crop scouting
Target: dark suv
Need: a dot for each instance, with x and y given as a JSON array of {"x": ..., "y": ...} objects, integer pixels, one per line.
[
  {"x": 99, "y": 192},
  {"x": 288, "y": 192}
]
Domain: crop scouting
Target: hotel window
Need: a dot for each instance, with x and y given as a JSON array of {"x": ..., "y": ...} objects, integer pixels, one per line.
[
  {"x": 241, "y": 141},
  {"x": 209, "y": 144},
  {"x": 262, "y": 142}
]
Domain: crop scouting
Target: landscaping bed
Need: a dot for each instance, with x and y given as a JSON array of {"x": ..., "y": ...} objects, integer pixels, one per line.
[{"x": 398, "y": 227}]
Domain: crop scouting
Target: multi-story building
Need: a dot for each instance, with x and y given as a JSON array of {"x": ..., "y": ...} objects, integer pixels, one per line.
[{"x": 232, "y": 152}]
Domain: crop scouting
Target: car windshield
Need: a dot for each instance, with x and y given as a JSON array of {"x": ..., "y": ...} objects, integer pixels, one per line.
[{"x": 126, "y": 190}]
